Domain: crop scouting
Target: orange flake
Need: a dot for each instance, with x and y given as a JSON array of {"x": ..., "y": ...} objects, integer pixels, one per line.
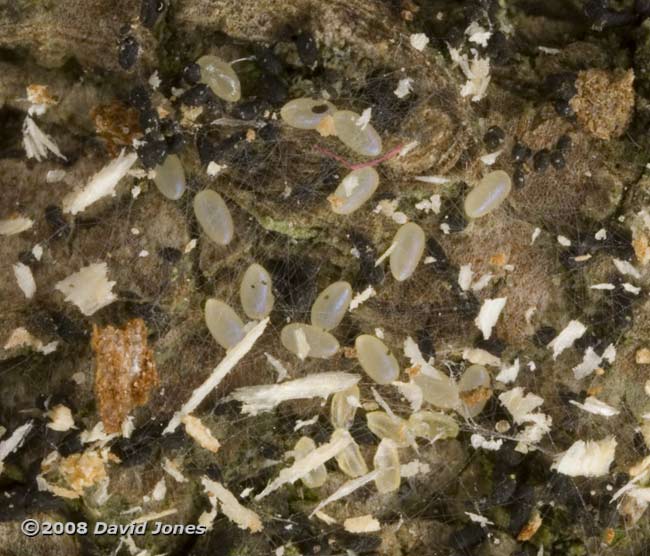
[
  {"x": 349, "y": 353},
  {"x": 117, "y": 124},
  {"x": 476, "y": 396},
  {"x": 38, "y": 94},
  {"x": 499, "y": 259},
  {"x": 529, "y": 530},
  {"x": 594, "y": 390},
  {"x": 250, "y": 135},
  {"x": 84, "y": 470},
  {"x": 608, "y": 535},
  {"x": 326, "y": 126},
  {"x": 642, "y": 356},
  {"x": 642, "y": 249}
]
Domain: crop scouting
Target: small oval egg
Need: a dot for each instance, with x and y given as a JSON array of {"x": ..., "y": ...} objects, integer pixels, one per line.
[
  {"x": 386, "y": 462},
  {"x": 220, "y": 77},
  {"x": 409, "y": 247},
  {"x": 318, "y": 476},
  {"x": 376, "y": 359},
  {"x": 331, "y": 305},
  {"x": 488, "y": 195},
  {"x": 474, "y": 389},
  {"x": 170, "y": 178},
  {"x": 363, "y": 140},
  {"x": 384, "y": 426},
  {"x": 213, "y": 216},
  {"x": 355, "y": 189},
  {"x": 438, "y": 389},
  {"x": 350, "y": 460},
  {"x": 224, "y": 324},
  {"x": 255, "y": 292},
  {"x": 305, "y": 340},
  {"x": 306, "y": 113},
  {"x": 432, "y": 425},
  {"x": 342, "y": 412}
]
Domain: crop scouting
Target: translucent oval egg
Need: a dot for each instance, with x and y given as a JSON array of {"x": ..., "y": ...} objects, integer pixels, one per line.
[
  {"x": 255, "y": 292},
  {"x": 318, "y": 476},
  {"x": 331, "y": 305},
  {"x": 342, "y": 412},
  {"x": 170, "y": 178},
  {"x": 438, "y": 389},
  {"x": 214, "y": 217},
  {"x": 223, "y": 323},
  {"x": 355, "y": 189},
  {"x": 220, "y": 77},
  {"x": 488, "y": 195},
  {"x": 474, "y": 389},
  {"x": 384, "y": 426},
  {"x": 386, "y": 462},
  {"x": 350, "y": 460},
  {"x": 305, "y": 340},
  {"x": 376, "y": 359},
  {"x": 363, "y": 140},
  {"x": 409, "y": 247},
  {"x": 306, "y": 113},
  {"x": 432, "y": 425}
]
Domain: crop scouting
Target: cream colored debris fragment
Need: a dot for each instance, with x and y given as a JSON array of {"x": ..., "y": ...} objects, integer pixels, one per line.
[
  {"x": 489, "y": 314},
  {"x": 60, "y": 418},
  {"x": 412, "y": 392},
  {"x": 477, "y": 518},
  {"x": 199, "y": 432},
  {"x": 171, "y": 468},
  {"x": 432, "y": 204},
  {"x": 478, "y": 356},
  {"x": 361, "y": 524},
  {"x": 478, "y": 34},
  {"x": 230, "y": 506},
  {"x": 25, "y": 279},
  {"x": 490, "y": 158},
  {"x": 642, "y": 356},
  {"x": 362, "y": 297},
  {"x": 413, "y": 468},
  {"x": 436, "y": 180},
  {"x": 595, "y": 406},
  {"x": 478, "y": 441},
  {"x": 565, "y": 339},
  {"x": 20, "y": 337},
  {"x": 14, "y": 442},
  {"x": 404, "y": 87},
  {"x": 15, "y": 225},
  {"x": 37, "y": 144},
  {"x": 591, "y": 458},
  {"x": 278, "y": 366},
  {"x": 509, "y": 373},
  {"x": 476, "y": 71},
  {"x": 345, "y": 489},
  {"x": 363, "y": 120},
  {"x": 626, "y": 268},
  {"x": 465, "y": 276},
  {"x": 89, "y": 288},
  {"x": 419, "y": 41},
  {"x": 519, "y": 405}
]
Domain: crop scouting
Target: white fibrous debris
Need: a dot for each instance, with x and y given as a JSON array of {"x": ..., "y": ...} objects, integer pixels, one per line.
[
  {"x": 432, "y": 204},
  {"x": 215, "y": 169},
  {"x": 277, "y": 366},
  {"x": 364, "y": 119},
  {"x": 509, "y": 373},
  {"x": 20, "y": 337},
  {"x": 404, "y": 87},
  {"x": 257, "y": 399},
  {"x": 591, "y": 361},
  {"x": 535, "y": 235},
  {"x": 14, "y": 442},
  {"x": 490, "y": 158},
  {"x": 135, "y": 191},
  {"x": 489, "y": 314},
  {"x": 479, "y": 441},
  {"x": 306, "y": 464},
  {"x": 37, "y": 251},
  {"x": 346, "y": 488},
  {"x": 54, "y": 176},
  {"x": 301, "y": 424},
  {"x": 604, "y": 286},
  {"x": 477, "y": 73},
  {"x": 25, "y": 279},
  {"x": 362, "y": 297},
  {"x": 477, "y": 518},
  {"x": 191, "y": 245},
  {"x": 412, "y": 392},
  {"x": 15, "y": 225},
  {"x": 419, "y": 41},
  {"x": 465, "y": 275},
  {"x": 89, "y": 288},
  {"x": 96, "y": 434},
  {"x": 564, "y": 241},
  {"x": 103, "y": 183},
  {"x": 127, "y": 427},
  {"x": 601, "y": 234},
  {"x": 519, "y": 405},
  {"x": 60, "y": 418},
  {"x": 172, "y": 469},
  {"x": 413, "y": 468},
  {"x": 361, "y": 524},
  {"x": 195, "y": 428},
  {"x": 437, "y": 180},
  {"x": 230, "y": 506},
  {"x": 632, "y": 289},
  {"x": 37, "y": 144},
  {"x": 154, "y": 80},
  {"x": 386, "y": 254},
  {"x": 587, "y": 459},
  {"x": 626, "y": 268},
  {"x": 407, "y": 148},
  {"x": 233, "y": 356},
  {"x": 159, "y": 490},
  {"x": 478, "y": 356},
  {"x": 477, "y": 34},
  {"x": 549, "y": 50},
  {"x": 565, "y": 339},
  {"x": 412, "y": 351},
  {"x": 595, "y": 406}
]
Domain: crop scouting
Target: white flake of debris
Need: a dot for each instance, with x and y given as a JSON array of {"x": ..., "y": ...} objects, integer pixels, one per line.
[
  {"x": 429, "y": 260},
  {"x": 159, "y": 490},
  {"x": 565, "y": 339},
  {"x": 346, "y": 488},
  {"x": 479, "y": 441},
  {"x": 14, "y": 442},
  {"x": 444, "y": 228},
  {"x": 362, "y": 297},
  {"x": 404, "y": 87},
  {"x": 432, "y": 204},
  {"x": 363, "y": 120},
  {"x": 37, "y": 144},
  {"x": 632, "y": 289},
  {"x": 20, "y": 337},
  {"x": 604, "y": 286},
  {"x": 386, "y": 254},
  {"x": 135, "y": 191},
  {"x": 489, "y": 314},
  {"x": 477, "y": 518},
  {"x": 478, "y": 356},
  {"x": 490, "y": 158},
  {"x": 195, "y": 428},
  {"x": 436, "y": 180},
  {"x": 595, "y": 406},
  {"x": 389, "y": 209},
  {"x": 465, "y": 275},
  {"x": 379, "y": 333},
  {"x": 191, "y": 245},
  {"x": 412, "y": 392},
  {"x": 304, "y": 423},
  {"x": 626, "y": 268},
  {"x": 601, "y": 234},
  {"x": 590, "y": 362},
  {"x": 305, "y": 465},
  {"x": 54, "y": 176},
  {"x": 15, "y": 225},
  {"x": 257, "y": 399},
  {"x": 509, "y": 373},
  {"x": 419, "y": 41},
  {"x": 477, "y": 73},
  {"x": 25, "y": 279},
  {"x": 477, "y": 34},
  {"x": 564, "y": 241},
  {"x": 361, "y": 524},
  {"x": 171, "y": 468},
  {"x": 549, "y": 50},
  {"x": 535, "y": 235},
  {"x": 144, "y": 253},
  {"x": 233, "y": 356},
  {"x": 127, "y": 427},
  {"x": 587, "y": 459},
  {"x": 37, "y": 251},
  {"x": 96, "y": 434},
  {"x": 215, "y": 169},
  {"x": 230, "y": 506},
  {"x": 60, "y": 418},
  {"x": 520, "y": 407},
  {"x": 407, "y": 148},
  {"x": 413, "y": 468},
  {"x": 412, "y": 351},
  {"x": 103, "y": 183},
  {"x": 277, "y": 365},
  {"x": 89, "y": 288},
  {"x": 154, "y": 80},
  {"x": 482, "y": 282}
]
